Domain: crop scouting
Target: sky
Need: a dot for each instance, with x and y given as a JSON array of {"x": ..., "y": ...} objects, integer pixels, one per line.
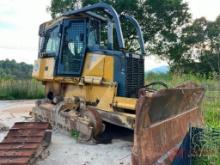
[
  {"x": 20, "y": 19},
  {"x": 19, "y": 22}
]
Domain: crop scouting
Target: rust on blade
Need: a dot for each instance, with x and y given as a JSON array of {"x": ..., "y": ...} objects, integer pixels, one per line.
[
  {"x": 162, "y": 121},
  {"x": 24, "y": 143}
]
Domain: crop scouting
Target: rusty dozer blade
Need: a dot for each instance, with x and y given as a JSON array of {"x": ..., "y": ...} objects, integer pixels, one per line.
[
  {"x": 25, "y": 143},
  {"x": 162, "y": 121}
]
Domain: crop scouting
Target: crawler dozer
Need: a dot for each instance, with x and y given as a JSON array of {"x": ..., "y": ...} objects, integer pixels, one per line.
[{"x": 91, "y": 78}]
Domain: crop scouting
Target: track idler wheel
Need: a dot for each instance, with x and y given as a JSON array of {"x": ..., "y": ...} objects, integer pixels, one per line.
[{"x": 95, "y": 122}]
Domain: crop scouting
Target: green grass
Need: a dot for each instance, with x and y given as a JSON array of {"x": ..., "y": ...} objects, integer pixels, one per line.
[
  {"x": 74, "y": 134},
  {"x": 207, "y": 147},
  {"x": 20, "y": 89}
]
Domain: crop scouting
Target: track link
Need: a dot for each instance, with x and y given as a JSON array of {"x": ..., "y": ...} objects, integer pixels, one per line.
[{"x": 24, "y": 143}]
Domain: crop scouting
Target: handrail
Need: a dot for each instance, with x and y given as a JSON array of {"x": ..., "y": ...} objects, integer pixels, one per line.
[{"x": 138, "y": 31}]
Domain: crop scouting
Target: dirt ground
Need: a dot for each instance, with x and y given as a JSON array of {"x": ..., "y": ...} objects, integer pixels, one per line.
[{"x": 64, "y": 149}]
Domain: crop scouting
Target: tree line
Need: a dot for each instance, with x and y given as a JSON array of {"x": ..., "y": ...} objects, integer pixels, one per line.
[
  {"x": 169, "y": 32},
  {"x": 10, "y": 69}
]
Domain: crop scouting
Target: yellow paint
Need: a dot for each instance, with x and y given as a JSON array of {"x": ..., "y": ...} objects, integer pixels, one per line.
[
  {"x": 106, "y": 100},
  {"x": 75, "y": 90},
  {"x": 94, "y": 65},
  {"x": 98, "y": 66},
  {"x": 93, "y": 80},
  {"x": 109, "y": 68},
  {"x": 43, "y": 69},
  {"x": 68, "y": 80},
  {"x": 125, "y": 103},
  {"x": 53, "y": 86},
  {"x": 93, "y": 93}
]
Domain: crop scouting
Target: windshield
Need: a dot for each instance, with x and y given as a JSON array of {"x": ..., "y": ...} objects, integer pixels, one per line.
[{"x": 50, "y": 42}]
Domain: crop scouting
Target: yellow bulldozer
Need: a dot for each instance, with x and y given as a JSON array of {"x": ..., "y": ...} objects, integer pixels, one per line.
[{"x": 91, "y": 78}]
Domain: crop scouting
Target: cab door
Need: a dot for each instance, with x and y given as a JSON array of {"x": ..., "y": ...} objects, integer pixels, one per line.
[{"x": 73, "y": 44}]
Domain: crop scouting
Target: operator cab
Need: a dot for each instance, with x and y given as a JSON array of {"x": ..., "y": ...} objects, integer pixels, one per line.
[
  {"x": 70, "y": 37},
  {"x": 68, "y": 40}
]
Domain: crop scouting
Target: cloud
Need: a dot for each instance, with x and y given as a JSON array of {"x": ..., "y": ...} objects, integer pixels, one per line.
[
  {"x": 19, "y": 23},
  {"x": 204, "y": 8},
  {"x": 152, "y": 62},
  {"x": 7, "y": 25},
  {"x": 20, "y": 55}
]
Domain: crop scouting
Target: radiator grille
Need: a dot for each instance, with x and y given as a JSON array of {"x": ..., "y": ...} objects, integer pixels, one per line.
[{"x": 134, "y": 74}]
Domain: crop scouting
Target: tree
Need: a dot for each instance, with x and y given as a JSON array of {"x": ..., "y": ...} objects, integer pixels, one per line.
[
  {"x": 161, "y": 22},
  {"x": 201, "y": 40},
  {"x": 10, "y": 69}
]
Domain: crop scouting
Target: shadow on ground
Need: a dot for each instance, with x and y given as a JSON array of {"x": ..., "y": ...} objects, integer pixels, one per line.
[{"x": 115, "y": 132}]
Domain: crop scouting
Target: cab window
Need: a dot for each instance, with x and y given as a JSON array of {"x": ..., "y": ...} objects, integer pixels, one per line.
[
  {"x": 94, "y": 37},
  {"x": 52, "y": 41}
]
